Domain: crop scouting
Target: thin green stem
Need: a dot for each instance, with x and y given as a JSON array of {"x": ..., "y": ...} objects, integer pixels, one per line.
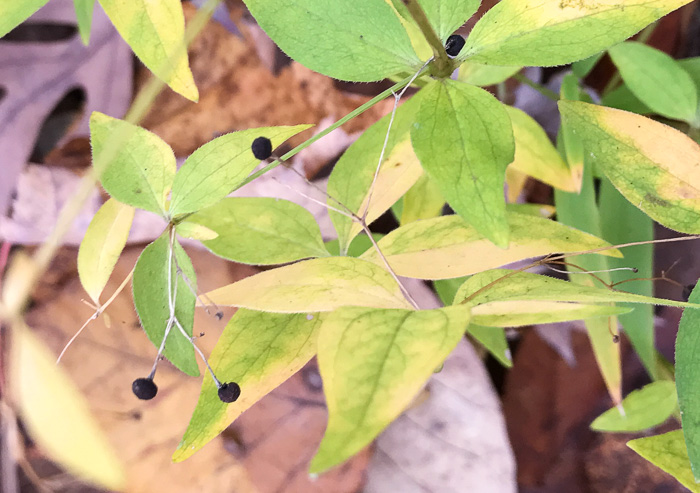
[
  {"x": 444, "y": 66},
  {"x": 548, "y": 93}
]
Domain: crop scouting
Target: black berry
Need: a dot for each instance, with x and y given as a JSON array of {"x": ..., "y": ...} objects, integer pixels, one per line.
[
  {"x": 454, "y": 45},
  {"x": 262, "y": 148},
  {"x": 144, "y": 388},
  {"x": 616, "y": 338},
  {"x": 229, "y": 392}
]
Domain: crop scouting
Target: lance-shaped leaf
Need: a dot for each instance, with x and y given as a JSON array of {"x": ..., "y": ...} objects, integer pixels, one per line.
[
  {"x": 155, "y": 30},
  {"x": 140, "y": 171},
  {"x": 361, "y": 40},
  {"x": 12, "y": 14},
  {"x": 464, "y": 140},
  {"x": 218, "y": 167},
  {"x": 556, "y": 32},
  {"x": 448, "y": 247},
  {"x": 195, "y": 231},
  {"x": 660, "y": 176},
  {"x": 317, "y": 285},
  {"x": 151, "y": 284},
  {"x": 373, "y": 363},
  {"x": 521, "y": 314},
  {"x": 668, "y": 453},
  {"x": 687, "y": 374},
  {"x": 352, "y": 176},
  {"x": 257, "y": 350},
  {"x": 535, "y": 154},
  {"x": 656, "y": 79},
  {"x": 478, "y": 74},
  {"x": 446, "y": 16},
  {"x": 494, "y": 341},
  {"x": 640, "y": 410},
  {"x": 102, "y": 244},
  {"x": 83, "y": 12},
  {"x": 422, "y": 201},
  {"x": 57, "y": 416},
  {"x": 485, "y": 287},
  {"x": 623, "y": 99},
  {"x": 261, "y": 231}
]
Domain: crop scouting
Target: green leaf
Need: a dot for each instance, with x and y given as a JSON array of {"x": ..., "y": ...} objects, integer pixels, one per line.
[
  {"x": 220, "y": 166},
  {"x": 494, "y": 341},
  {"x": 568, "y": 142},
  {"x": 261, "y": 231},
  {"x": 359, "y": 245},
  {"x": 525, "y": 286},
  {"x": 83, "y": 12},
  {"x": 362, "y": 40},
  {"x": 623, "y": 99},
  {"x": 422, "y": 201},
  {"x": 643, "y": 409},
  {"x": 535, "y": 154},
  {"x": 582, "y": 68},
  {"x": 57, "y": 416},
  {"x": 656, "y": 79},
  {"x": 464, "y": 140},
  {"x": 447, "y": 247},
  {"x": 142, "y": 170},
  {"x": 373, "y": 363},
  {"x": 520, "y": 314},
  {"x": 258, "y": 351},
  {"x": 352, "y": 176},
  {"x": 478, "y": 74},
  {"x": 150, "y": 285},
  {"x": 687, "y": 374},
  {"x": 660, "y": 176},
  {"x": 12, "y": 14},
  {"x": 102, "y": 244},
  {"x": 317, "y": 285},
  {"x": 556, "y": 32},
  {"x": 155, "y": 30},
  {"x": 692, "y": 68},
  {"x": 446, "y": 16},
  {"x": 668, "y": 453},
  {"x": 623, "y": 223},
  {"x": 447, "y": 288}
]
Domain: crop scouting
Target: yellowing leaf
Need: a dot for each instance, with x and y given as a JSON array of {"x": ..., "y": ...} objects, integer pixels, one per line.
[
  {"x": 668, "y": 453},
  {"x": 195, "y": 231},
  {"x": 660, "y": 175},
  {"x": 447, "y": 247},
  {"x": 422, "y": 201},
  {"x": 640, "y": 410},
  {"x": 520, "y": 314},
  {"x": 103, "y": 243},
  {"x": 57, "y": 416},
  {"x": 218, "y": 167},
  {"x": 373, "y": 363},
  {"x": 258, "y": 351},
  {"x": 317, "y": 285},
  {"x": 155, "y": 30},
  {"x": 557, "y": 32},
  {"x": 535, "y": 155}
]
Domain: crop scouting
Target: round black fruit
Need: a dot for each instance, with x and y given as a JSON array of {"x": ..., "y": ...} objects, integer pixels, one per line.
[
  {"x": 144, "y": 388},
  {"x": 229, "y": 392}
]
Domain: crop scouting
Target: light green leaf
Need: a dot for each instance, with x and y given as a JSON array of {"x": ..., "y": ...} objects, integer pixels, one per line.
[
  {"x": 361, "y": 40},
  {"x": 317, "y": 285},
  {"x": 373, "y": 363},
  {"x": 623, "y": 99},
  {"x": 359, "y": 245},
  {"x": 464, "y": 140},
  {"x": 568, "y": 143},
  {"x": 83, "y": 12},
  {"x": 478, "y": 74},
  {"x": 668, "y": 453},
  {"x": 623, "y": 223},
  {"x": 535, "y": 154},
  {"x": 219, "y": 166},
  {"x": 57, "y": 416},
  {"x": 155, "y": 30},
  {"x": 537, "y": 210},
  {"x": 582, "y": 68},
  {"x": 446, "y": 16},
  {"x": 521, "y": 314},
  {"x": 150, "y": 285},
  {"x": 195, "y": 231},
  {"x": 643, "y": 409},
  {"x": 102, "y": 244},
  {"x": 687, "y": 374},
  {"x": 660, "y": 176},
  {"x": 142, "y": 170},
  {"x": 556, "y": 32},
  {"x": 447, "y": 247},
  {"x": 261, "y": 231},
  {"x": 525, "y": 286},
  {"x": 656, "y": 79},
  {"x": 422, "y": 201},
  {"x": 447, "y": 288},
  {"x": 692, "y": 68},
  {"x": 352, "y": 176},
  {"x": 258, "y": 351},
  {"x": 12, "y": 13},
  {"x": 495, "y": 342}
]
